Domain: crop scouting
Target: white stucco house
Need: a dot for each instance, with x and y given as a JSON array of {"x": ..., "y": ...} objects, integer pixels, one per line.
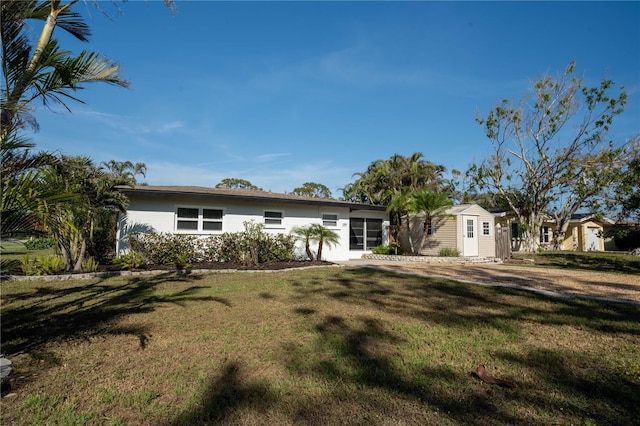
[{"x": 204, "y": 211}]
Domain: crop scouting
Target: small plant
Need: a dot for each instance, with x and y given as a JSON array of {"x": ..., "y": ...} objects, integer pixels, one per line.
[
  {"x": 42, "y": 265},
  {"x": 449, "y": 252},
  {"x": 390, "y": 249},
  {"x": 89, "y": 265},
  {"x": 181, "y": 261},
  {"x": 50, "y": 264},
  {"x": 28, "y": 265},
  {"x": 131, "y": 260}
]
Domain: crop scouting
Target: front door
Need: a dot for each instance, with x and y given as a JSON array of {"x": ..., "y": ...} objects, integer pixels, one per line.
[
  {"x": 469, "y": 236},
  {"x": 593, "y": 239}
]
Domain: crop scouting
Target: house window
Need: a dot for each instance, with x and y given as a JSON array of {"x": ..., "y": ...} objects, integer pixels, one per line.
[
  {"x": 197, "y": 219},
  {"x": 470, "y": 230},
  {"x": 364, "y": 234},
  {"x": 272, "y": 218},
  {"x": 187, "y": 219},
  {"x": 329, "y": 220},
  {"x": 486, "y": 228},
  {"x": 544, "y": 234},
  {"x": 211, "y": 220}
]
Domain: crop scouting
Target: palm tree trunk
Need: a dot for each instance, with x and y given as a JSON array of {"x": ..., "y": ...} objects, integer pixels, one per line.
[
  {"x": 320, "y": 250},
  {"x": 81, "y": 254},
  {"x": 308, "y": 250}
]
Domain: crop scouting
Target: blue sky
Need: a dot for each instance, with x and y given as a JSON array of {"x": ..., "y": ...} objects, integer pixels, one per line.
[{"x": 280, "y": 93}]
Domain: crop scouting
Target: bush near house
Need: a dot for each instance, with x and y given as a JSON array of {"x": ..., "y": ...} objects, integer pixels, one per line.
[
  {"x": 449, "y": 252},
  {"x": 251, "y": 246}
]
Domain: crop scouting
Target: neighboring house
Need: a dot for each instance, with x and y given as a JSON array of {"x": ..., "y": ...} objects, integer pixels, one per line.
[
  {"x": 467, "y": 227},
  {"x": 584, "y": 233},
  {"x": 205, "y": 211}
]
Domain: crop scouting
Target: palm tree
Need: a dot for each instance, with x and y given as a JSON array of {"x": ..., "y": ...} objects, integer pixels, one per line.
[
  {"x": 45, "y": 72},
  {"x": 305, "y": 234},
  {"x": 323, "y": 236},
  {"x": 124, "y": 169},
  {"x": 75, "y": 225},
  {"x": 432, "y": 204},
  {"x": 42, "y": 72}
]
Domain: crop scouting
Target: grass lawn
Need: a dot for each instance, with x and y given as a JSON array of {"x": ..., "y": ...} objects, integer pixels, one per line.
[
  {"x": 16, "y": 250},
  {"x": 590, "y": 260},
  {"x": 325, "y": 346}
]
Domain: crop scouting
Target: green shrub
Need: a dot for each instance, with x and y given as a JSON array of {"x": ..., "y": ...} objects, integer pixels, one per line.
[
  {"x": 40, "y": 243},
  {"x": 131, "y": 260},
  {"x": 390, "y": 249},
  {"x": 42, "y": 265},
  {"x": 89, "y": 265},
  {"x": 252, "y": 245},
  {"x": 181, "y": 261},
  {"x": 449, "y": 252},
  {"x": 162, "y": 249}
]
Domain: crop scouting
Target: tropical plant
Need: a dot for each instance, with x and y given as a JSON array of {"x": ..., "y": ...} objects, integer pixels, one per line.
[
  {"x": 429, "y": 203},
  {"x": 304, "y": 234},
  {"x": 324, "y": 236},
  {"x": 124, "y": 169},
  {"x": 131, "y": 260},
  {"x": 384, "y": 179},
  {"x": 75, "y": 225},
  {"x": 41, "y": 72},
  {"x": 316, "y": 233},
  {"x": 45, "y": 72}
]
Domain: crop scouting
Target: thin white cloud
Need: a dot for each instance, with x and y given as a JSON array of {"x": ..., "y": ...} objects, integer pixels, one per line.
[{"x": 270, "y": 157}]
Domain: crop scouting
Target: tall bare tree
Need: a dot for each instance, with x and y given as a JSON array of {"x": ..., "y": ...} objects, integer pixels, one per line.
[{"x": 550, "y": 150}]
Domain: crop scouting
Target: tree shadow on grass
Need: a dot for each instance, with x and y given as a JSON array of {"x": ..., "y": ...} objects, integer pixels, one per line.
[
  {"x": 229, "y": 393},
  {"x": 603, "y": 393},
  {"x": 32, "y": 319},
  {"x": 367, "y": 384}
]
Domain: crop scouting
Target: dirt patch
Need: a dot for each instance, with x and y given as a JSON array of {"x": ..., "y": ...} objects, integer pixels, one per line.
[{"x": 597, "y": 284}]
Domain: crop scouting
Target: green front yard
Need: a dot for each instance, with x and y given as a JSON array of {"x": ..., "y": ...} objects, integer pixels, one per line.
[
  {"x": 318, "y": 346},
  {"x": 592, "y": 260}
]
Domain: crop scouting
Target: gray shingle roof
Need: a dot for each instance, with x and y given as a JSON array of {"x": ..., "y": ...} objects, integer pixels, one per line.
[{"x": 241, "y": 194}]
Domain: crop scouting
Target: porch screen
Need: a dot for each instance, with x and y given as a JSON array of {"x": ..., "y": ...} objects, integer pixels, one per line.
[{"x": 364, "y": 234}]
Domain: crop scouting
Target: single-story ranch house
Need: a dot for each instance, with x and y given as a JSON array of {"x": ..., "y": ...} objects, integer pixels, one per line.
[{"x": 205, "y": 211}]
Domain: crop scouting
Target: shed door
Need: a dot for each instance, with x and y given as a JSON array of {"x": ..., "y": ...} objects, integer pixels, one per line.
[
  {"x": 469, "y": 236},
  {"x": 593, "y": 241}
]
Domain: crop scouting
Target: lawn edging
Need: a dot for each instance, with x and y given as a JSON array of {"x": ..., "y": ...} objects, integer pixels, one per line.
[{"x": 151, "y": 272}]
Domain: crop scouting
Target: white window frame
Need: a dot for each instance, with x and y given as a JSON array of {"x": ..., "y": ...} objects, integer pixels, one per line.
[
  {"x": 544, "y": 235},
  {"x": 330, "y": 222},
  {"x": 266, "y": 219},
  {"x": 486, "y": 231},
  {"x": 200, "y": 220}
]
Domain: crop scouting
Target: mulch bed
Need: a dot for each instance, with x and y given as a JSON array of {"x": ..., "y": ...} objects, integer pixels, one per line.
[{"x": 270, "y": 266}]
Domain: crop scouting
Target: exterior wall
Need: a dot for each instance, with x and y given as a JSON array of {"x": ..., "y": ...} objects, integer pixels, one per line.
[
  {"x": 447, "y": 232},
  {"x": 486, "y": 243},
  {"x": 444, "y": 235},
  {"x": 155, "y": 214}
]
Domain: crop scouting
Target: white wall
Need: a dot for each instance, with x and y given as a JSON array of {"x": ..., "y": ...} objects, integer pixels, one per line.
[{"x": 159, "y": 215}]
